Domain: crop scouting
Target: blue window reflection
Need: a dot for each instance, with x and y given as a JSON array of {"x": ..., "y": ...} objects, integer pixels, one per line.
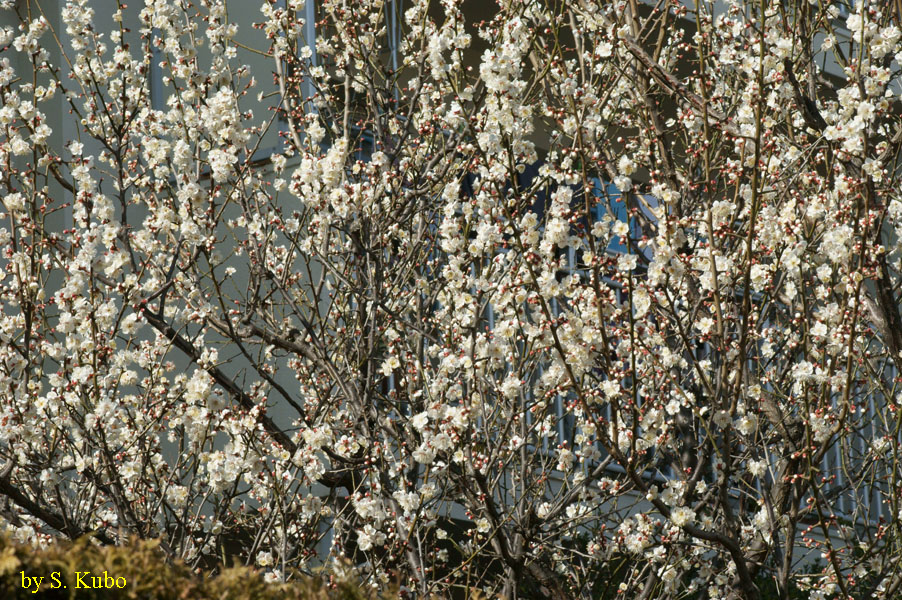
[{"x": 611, "y": 201}]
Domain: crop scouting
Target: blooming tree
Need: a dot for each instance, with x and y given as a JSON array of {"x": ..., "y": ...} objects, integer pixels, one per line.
[{"x": 569, "y": 299}]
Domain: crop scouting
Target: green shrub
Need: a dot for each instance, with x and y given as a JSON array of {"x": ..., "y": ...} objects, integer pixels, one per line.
[{"x": 140, "y": 571}]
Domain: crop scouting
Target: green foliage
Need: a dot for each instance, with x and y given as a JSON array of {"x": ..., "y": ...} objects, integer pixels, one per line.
[{"x": 146, "y": 573}]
